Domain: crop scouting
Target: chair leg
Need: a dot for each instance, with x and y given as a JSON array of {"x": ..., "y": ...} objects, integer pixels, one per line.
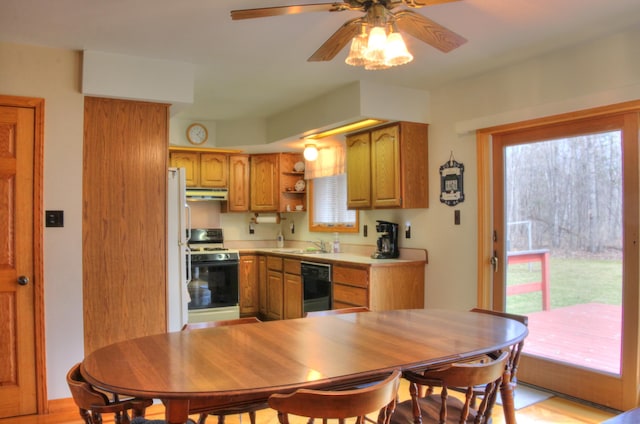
[
  {"x": 414, "y": 391},
  {"x": 202, "y": 418}
]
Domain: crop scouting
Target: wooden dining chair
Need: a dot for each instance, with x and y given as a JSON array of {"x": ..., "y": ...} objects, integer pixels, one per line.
[
  {"x": 442, "y": 408},
  {"x": 510, "y": 377},
  {"x": 379, "y": 398},
  {"x": 222, "y": 413},
  {"x": 92, "y": 402},
  {"x": 337, "y": 311}
]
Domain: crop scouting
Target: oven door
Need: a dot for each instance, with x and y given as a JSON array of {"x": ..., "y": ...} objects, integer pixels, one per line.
[{"x": 213, "y": 285}]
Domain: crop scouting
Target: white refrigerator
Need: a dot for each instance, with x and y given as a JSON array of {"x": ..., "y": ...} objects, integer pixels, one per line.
[{"x": 179, "y": 225}]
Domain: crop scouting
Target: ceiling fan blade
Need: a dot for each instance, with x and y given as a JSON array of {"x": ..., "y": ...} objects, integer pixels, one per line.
[
  {"x": 424, "y": 3},
  {"x": 337, "y": 41},
  {"x": 290, "y": 10},
  {"x": 428, "y": 31}
]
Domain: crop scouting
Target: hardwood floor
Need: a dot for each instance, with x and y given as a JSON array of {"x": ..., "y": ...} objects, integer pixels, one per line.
[{"x": 552, "y": 410}]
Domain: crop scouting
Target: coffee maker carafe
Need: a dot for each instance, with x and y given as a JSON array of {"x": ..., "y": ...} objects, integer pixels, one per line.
[{"x": 387, "y": 243}]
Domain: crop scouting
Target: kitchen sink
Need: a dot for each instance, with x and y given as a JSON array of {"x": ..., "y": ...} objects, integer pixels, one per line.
[{"x": 299, "y": 251}]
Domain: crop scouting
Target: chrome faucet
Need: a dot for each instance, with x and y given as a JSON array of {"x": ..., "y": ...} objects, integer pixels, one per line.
[{"x": 320, "y": 244}]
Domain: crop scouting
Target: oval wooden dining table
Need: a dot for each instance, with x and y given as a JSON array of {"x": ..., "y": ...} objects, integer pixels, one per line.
[{"x": 203, "y": 369}]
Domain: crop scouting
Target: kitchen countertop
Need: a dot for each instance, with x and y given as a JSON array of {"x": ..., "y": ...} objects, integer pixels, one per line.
[{"x": 352, "y": 258}]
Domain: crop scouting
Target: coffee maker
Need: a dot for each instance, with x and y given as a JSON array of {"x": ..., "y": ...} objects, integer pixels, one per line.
[{"x": 387, "y": 241}]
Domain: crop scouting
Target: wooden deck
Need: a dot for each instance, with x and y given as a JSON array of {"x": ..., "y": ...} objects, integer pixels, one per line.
[{"x": 587, "y": 335}]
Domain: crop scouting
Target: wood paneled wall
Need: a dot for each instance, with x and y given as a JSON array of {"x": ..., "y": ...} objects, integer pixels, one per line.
[{"x": 124, "y": 220}]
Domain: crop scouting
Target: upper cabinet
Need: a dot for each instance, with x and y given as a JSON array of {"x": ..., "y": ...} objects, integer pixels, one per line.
[
  {"x": 276, "y": 185},
  {"x": 387, "y": 167},
  {"x": 202, "y": 169},
  {"x": 238, "y": 200},
  {"x": 265, "y": 179}
]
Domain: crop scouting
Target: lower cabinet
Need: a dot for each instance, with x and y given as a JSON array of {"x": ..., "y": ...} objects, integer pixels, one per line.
[
  {"x": 275, "y": 288},
  {"x": 262, "y": 285},
  {"x": 278, "y": 286},
  {"x": 379, "y": 288},
  {"x": 292, "y": 289},
  {"x": 248, "y": 281},
  {"x": 350, "y": 286}
]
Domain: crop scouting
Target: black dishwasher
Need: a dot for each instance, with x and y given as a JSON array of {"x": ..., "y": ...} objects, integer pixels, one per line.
[{"x": 316, "y": 287}]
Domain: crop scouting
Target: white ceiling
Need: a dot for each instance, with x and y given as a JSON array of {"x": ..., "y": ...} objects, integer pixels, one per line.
[{"x": 257, "y": 67}]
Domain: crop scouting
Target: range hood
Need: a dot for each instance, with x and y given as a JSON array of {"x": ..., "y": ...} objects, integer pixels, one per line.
[{"x": 200, "y": 194}]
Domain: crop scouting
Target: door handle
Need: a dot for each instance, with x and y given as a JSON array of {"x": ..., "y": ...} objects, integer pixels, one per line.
[
  {"x": 23, "y": 280},
  {"x": 494, "y": 261}
]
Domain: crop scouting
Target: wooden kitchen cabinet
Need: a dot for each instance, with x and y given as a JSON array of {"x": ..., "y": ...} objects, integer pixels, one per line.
[
  {"x": 238, "y": 197},
  {"x": 273, "y": 181},
  {"x": 387, "y": 167},
  {"x": 292, "y": 289},
  {"x": 202, "y": 169},
  {"x": 190, "y": 161},
  {"x": 264, "y": 172},
  {"x": 359, "y": 171},
  {"x": 289, "y": 180},
  {"x": 262, "y": 285},
  {"x": 379, "y": 288},
  {"x": 214, "y": 170},
  {"x": 275, "y": 288},
  {"x": 249, "y": 288}
]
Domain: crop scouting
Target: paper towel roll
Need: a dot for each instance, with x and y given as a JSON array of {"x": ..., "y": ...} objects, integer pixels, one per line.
[{"x": 267, "y": 219}]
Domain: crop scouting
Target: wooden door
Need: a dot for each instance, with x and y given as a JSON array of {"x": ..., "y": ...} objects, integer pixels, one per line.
[
  {"x": 359, "y": 171},
  {"x": 21, "y": 285},
  {"x": 385, "y": 167},
  {"x": 569, "y": 136},
  {"x": 214, "y": 171}
]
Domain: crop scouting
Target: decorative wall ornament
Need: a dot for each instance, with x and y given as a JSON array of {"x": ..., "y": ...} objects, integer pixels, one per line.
[{"x": 451, "y": 182}]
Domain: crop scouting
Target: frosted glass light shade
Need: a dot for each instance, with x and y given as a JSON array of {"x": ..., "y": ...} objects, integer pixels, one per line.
[
  {"x": 310, "y": 152},
  {"x": 375, "y": 49},
  {"x": 396, "y": 52},
  {"x": 357, "y": 51}
]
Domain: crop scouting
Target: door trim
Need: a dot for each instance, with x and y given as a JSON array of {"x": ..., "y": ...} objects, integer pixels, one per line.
[
  {"x": 629, "y": 380},
  {"x": 37, "y": 104}
]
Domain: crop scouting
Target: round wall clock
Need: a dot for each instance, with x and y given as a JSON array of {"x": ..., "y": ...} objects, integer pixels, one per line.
[{"x": 197, "y": 134}]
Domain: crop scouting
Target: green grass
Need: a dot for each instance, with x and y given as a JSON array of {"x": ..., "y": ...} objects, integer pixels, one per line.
[{"x": 573, "y": 282}]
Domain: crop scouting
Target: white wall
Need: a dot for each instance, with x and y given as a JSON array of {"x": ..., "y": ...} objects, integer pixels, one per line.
[
  {"x": 599, "y": 73},
  {"x": 55, "y": 76}
]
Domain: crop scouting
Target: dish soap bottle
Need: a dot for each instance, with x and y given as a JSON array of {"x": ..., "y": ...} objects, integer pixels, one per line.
[
  {"x": 336, "y": 243},
  {"x": 280, "y": 239}
]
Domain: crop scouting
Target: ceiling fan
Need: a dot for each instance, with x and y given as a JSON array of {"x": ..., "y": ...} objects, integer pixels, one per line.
[{"x": 377, "y": 12}]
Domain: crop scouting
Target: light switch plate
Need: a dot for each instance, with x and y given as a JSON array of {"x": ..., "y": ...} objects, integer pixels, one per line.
[{"x": 54, "y": 218}]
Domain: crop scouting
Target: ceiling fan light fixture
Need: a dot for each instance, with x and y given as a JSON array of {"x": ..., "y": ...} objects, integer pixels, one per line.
[
  {"x": 310, "y": 152},
  {"x": 375, "y": 54},
  {"x": 358, "y": 49},
  {"x": 396, "y": 52}
]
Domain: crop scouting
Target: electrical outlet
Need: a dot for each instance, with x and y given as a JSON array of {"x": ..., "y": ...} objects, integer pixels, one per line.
[
  {"x": 407, "y": 230},
  {"x": 365, "y": 230},
  {"x": 456, "y": 217}
]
